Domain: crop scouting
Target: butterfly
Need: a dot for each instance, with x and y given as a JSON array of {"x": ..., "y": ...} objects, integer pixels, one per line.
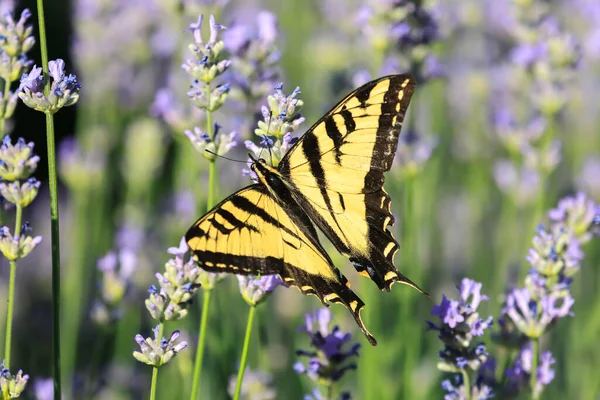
[{"x": 332, "y": 178}]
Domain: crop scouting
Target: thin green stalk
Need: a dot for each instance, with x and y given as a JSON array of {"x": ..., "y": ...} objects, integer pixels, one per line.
[
  {"x": 408, "y": 258},
  {"x": 5, "y": 97},
  {"x": 240, "y": 377},
  {"x": 200, "y": 346},
  {"x": 212, "y": 178},
  {"x": 11, "y": 293},
  {"x": 534, "y": 362},
  {"x": 54, "y": 226},
  {"x": 466, "y": 384},
  {"x": 210, "y": 202},
  {"x": 161, "y": 328},
  {"x": 154, "y": 380}
]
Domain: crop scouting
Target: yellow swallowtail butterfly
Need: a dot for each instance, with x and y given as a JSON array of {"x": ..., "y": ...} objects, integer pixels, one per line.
[{"x": 332, "y": 178}]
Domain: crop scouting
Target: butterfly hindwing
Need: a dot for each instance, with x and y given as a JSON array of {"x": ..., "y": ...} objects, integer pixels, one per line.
[
  {"x": 337, "y": 169},
  {"x": 251, "y": 233}
]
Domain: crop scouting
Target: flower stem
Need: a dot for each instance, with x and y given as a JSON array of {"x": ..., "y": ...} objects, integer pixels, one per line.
[
  {"x": 212, "y": 174},
  {"x": 200, "y": 346},
  {"x": 240, "y": 377},
  {"x": 466, "y": 384},
  {"x": 534, "y": 362},
  {"x": 11, "y": 292},
  {"x": 5, "y": 98},
  {"x": 210, "y": 202},
  {"x": 154, "y": 380},
  {"x": 161, "y": 328},
  {"x": 54, "y": 227},
  {"x": 212, "y": 167}
]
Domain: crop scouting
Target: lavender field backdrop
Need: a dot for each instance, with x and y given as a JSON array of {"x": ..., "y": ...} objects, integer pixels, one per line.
[{"x": 495, "y": 191}]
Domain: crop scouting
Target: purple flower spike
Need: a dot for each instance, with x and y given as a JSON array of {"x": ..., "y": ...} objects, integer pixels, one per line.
[
  {"x": 329, "y": 359},
  {"x": 459, "y": 324}
]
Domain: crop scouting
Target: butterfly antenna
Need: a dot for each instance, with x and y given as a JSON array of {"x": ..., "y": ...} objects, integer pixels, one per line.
[
  {"x": 266, "y": 137},
  {"x": 223, "y": 157}
]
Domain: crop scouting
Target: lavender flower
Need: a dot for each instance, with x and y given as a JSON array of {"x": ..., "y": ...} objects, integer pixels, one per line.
[
  {"x": 255, "y": 290},
  {"x": 456, "y": 390},
  {"x": 64, "y": 89},
  {"x": 17, "y": 162},
  {"x": 518, "y": 375},
  {"x": 520, "y": 184},
  {"x": 12, "y": 385},
  {"x": 578, "y": 214},
  {"x": 555, "y": 259},
  {"x": 280, "y": 120},
  {"x": 587, "y": 180},
  {"x": 116, "y": 270},
  {"x": 414, "y": 150},
  {"x": 15, "y": 41},
  {"x": 43, "y": 388},
  {"x": 16, "y": 36},
  {"x": 17, "y": 246},
  {"x": 20, "y": 194},
  {"x": 256, "y": 385},
  {"x": 207, "y": 63},
  {"x": 529, "y": 312},
  {"x": 410, "y": 27},
  {"x": 158, "y": 351},
  {"x": 330, "y": 357},
  {"x": 81, "y": 168},
  {"x": 283, "y": 114},
  {"x": 459, "y": 325},
  {"x": 178, "y": 284},
  {"x": 178, "y": 114},
  {"x": 535, "y": 85},
  {"x": 221, "y": 145},
  {"x": 255, "y": 58},
  {"x": 316, "y": 395}
]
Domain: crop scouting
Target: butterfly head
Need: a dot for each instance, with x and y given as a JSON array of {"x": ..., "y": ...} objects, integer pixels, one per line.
[{"x": 265, "y": 173}]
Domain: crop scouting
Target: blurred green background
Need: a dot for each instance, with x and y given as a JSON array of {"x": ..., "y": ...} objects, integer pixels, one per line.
[{"x": 135, "y": 179}]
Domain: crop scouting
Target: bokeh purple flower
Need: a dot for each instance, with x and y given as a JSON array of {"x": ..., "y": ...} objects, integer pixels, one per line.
[
  {"x": 255, "y": 59},
  {"x": 459, "y": 325},
  {"x": 332, "y": 352}
]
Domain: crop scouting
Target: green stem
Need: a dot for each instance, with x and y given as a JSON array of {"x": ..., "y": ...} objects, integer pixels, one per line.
[
  {"x": 534, "y": 362},
  {"x": 154, "y": 380},
  {"x": 212, "y": 168},
  {"x": 466, "y": 384},
  {"x": 54, "y": 227},
  {"x": 408, "y": 260},
  {"x": 5, "y": 98},
  {"x": 11, "y": 293},
  {"x": 200, "y": 346},
  {"x": 210, "y": 202},
  {"x": 161, "y": 329},
  {"x": 240, "y": 377},
  {"x": 212, "y": 177}
]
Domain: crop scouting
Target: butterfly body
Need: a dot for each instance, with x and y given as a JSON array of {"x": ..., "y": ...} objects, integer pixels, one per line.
[{"x": 332, "y": 178}]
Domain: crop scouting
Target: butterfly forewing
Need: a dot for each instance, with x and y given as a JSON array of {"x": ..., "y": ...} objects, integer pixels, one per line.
[{"x": 337, "y": 172}]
